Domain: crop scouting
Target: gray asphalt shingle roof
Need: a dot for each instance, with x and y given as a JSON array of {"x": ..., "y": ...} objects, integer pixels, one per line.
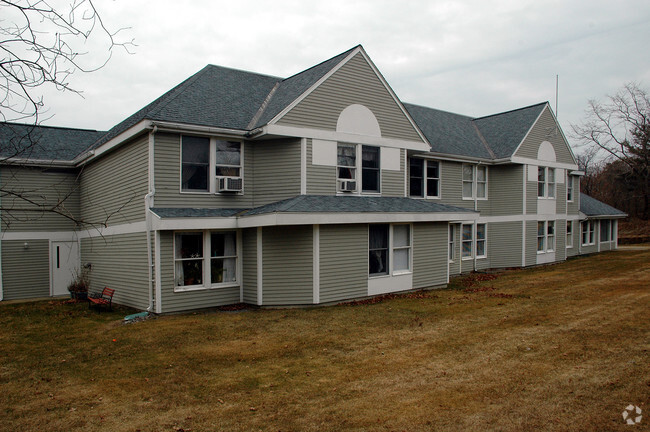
[
  {"x": 457, "y": 134},
  {"x": 321, "y": 204},
  {"x": 26, "y": 141},
  {"x": 592, "y": 207}
]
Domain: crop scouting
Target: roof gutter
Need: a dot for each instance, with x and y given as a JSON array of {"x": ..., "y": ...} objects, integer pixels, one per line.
[
  {"x": 48, "y": 163},
  {"x": 163, "y": 126}
]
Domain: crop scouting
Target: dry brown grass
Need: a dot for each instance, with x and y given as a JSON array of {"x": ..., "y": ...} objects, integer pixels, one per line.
[{"x": 563, "y": 347}]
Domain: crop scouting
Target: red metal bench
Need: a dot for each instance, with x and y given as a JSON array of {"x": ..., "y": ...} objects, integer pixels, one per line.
[{"x": 103, "y": 299}]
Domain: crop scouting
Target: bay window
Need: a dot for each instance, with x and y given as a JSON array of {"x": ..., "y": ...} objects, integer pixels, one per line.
[
  {"x": 424, "y": 178},
  {"x": 194, "y": 269},
  {"x": 389, "y": 249}
]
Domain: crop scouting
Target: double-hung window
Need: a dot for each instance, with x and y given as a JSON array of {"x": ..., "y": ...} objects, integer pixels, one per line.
[
  {"x": 370, "y": 169},
  {"x": 569, "y": 234},
  {"x": 424, "y": 178},
  {"x": 481, "y": 240},
  {"x": 196, "y": 269},
  {"x": 389, "y": 246},
  {"x": 473, "y": 241},
  {"x": 206, "y": 162},
  {"x": 569, "y": 187},
  {"x": 346, "y": 162},
  {"x": 545, "y": 182},
  {"x": 545, "y": 236},
  {"x": 474, "y": 181},
  {"x": 452, "y": 242},
  {"x": 195, "y": 164},
  {"x": 588, "y": 237}
]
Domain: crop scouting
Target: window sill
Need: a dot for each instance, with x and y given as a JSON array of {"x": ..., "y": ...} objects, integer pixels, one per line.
[
  {"x": 402, "y": 272},
  {"x": 187, "y": 192},
  {"x": 469, "y": 258},
  {"x": 378, "y": 276},
  {"x": 190, "y": 288},
  {"x": 482, "y": 257}
]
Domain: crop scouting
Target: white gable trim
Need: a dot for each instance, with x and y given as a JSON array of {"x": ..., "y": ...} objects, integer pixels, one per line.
[
  {"x": 573, "y": 156},
  {"x": 313, "y": 87},
  {"x": 393, "y": 95},
  {"x": 529, "y": 130}
]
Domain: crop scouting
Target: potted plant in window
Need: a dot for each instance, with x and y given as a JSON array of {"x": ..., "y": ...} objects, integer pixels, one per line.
[{"x": 78, "y": 287}]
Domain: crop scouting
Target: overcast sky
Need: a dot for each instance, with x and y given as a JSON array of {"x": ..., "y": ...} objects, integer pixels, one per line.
[{"x": 469, "y": 57}]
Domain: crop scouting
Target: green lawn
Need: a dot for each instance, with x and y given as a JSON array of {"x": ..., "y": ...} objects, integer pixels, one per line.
[{"x": 563, "y": 347}]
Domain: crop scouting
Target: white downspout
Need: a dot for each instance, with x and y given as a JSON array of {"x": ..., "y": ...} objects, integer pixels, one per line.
[{"x": 148, "y": 203}]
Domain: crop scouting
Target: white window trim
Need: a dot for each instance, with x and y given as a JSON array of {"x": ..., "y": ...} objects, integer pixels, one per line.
[
  {"x": 569, "y": 236},
  {"x": 475, "y": 182},
  {"x": 425, "y": 186},
  {"x": 391, "y": 250},
  {"x": 548, "y": 247},
  {"x": 359, "y": 170},
  {"x": 212, "y": 177},
  {"x": 547, "y": 184},
  {"x": 474, "y": 241},
  {"x": 592, "y": 224},
  {"x": 452, "y": 243},
  {"x": 206, "y": 285}
]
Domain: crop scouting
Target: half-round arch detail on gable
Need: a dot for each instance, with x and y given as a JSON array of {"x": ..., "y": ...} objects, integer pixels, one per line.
[
  {"x": 546, "y": 152},
  {"x": 358, "y": 119}
]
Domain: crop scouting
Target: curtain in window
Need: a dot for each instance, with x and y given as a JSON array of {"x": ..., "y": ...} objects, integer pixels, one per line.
[
  {"x": 188, "y": 252},
  {"x": 541, "y": 237},
  {"x": 467, "y": 241},
  {"x": 223, "y": 257},
  {"x": 401, "y": 247},
  {"x": 346, "y": 159},
  {"x": 228, "y": 158}
]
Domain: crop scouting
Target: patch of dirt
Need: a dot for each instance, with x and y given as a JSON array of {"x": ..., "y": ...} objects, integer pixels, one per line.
[{"x": 381, "y": 298}]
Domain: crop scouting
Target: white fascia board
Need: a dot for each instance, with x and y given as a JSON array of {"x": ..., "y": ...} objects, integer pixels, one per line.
[
  {"x": 605, "y": 216},
  {"x": 529, "y": 130},
  {"x": 529, "y": 161},
  {"x": 164, "y": 126},
  {"x": 459, "y": 158},
  {"x": 577, "y": 173},
  {"x": 194, "y": 223},
  {"x": 293, "y": 131},
  {"x": 45, "y": 163},
  {"x": 114, "y": 142},
  {"x": 275, "y": 219},
  {"x": 393, "y": 95},
  {"x": 573, "y": 156},
  {"x": 313, "y": 87}
]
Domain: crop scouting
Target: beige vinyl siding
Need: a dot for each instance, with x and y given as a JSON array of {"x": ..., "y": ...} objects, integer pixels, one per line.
[
  {"x": 45, "y": 187},
  {"x": 321, "y": 180},
  {"x": 113, "y": 187},
  {"x": 454, "y": 265},
  {"x": 531, "y": 243},
  {"x": 451, "y": 185},
  {"x": 531, "y": 194},
  {"x": 277, "y": 171},
  {"x": 505, "y": 191},
  {"x": 392, "y": 182},
  {"x": 545, "y": 130},
  {"x": 287, "y": 265},
  {"x": 354, "y": 83},
  {"x": 25, "y": 272},
  {"x": 430, "y": 254},
  {"x": 575, "y": 250},
  {"x": 187, "y": 300},
  {"x": 343, "y": 262},
  {"x": 504, "y": 244},
  {"x": 119, "y": 262},
  {"x": 560, "y": 240},
  {"x": 249, "y": 266},
  {"x": 167, "y": 168},
  {"x": 560, "y": 197}
]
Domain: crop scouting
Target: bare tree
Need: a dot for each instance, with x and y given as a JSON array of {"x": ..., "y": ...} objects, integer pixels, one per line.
[
  {"x": 42, "y": 44},
  {"x": 619, "y": 128}
]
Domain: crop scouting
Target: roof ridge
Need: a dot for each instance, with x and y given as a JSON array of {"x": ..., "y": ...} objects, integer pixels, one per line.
[
  {"x": 324, "y": 61},
  {"x": 439, "y": 110},
  {"x": 511, "y": 111},
  {"x": 241, "y": 70}
]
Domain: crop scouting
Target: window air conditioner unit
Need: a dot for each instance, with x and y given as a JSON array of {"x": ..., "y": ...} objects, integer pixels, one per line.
[
  {"x": 230, "y": 184},
  {"x": 347, "y": 185}
]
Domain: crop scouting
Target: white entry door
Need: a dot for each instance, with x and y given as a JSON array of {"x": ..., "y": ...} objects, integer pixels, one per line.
[{"x": 65, "y": 263}]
